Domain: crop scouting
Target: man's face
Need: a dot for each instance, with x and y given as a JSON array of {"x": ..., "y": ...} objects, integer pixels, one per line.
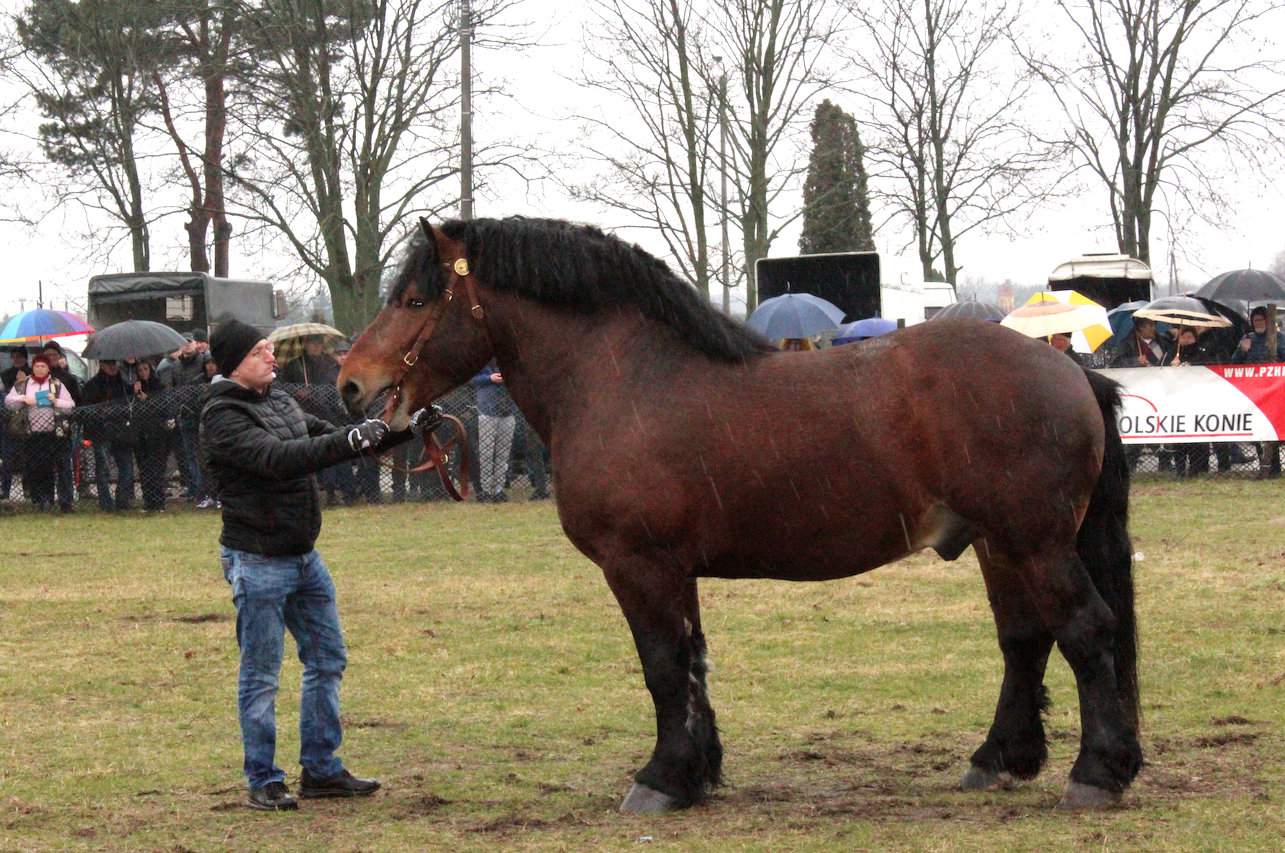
[
  {"x": 1260, "y": 323},
  {"x": 55, "y": 357},
  {"x": 258, "y": 369},
  {"x": 313, "y": 347},
  {"x": 1061, "y": 343},
  {"x": 109, "y": 368},
  {"x": 188, "y": 349},
  {"x": 341, "y": 356},
  {"x": 19, "y": 358},
  {"x": 1146, "y": 329}
]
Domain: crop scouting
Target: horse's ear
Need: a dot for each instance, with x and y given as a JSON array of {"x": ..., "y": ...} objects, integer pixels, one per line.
[{"x": 430, "y": 237}]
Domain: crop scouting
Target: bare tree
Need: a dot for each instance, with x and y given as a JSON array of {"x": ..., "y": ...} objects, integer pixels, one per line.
[
  {"x": 198, "y": 36},
  {"x": 1149, "y": 87},
  {"x": 681, "y": 67},
  {"x": 87, "y": 65},
  {"x": 648, "y": 55},
  {"x": 352, "y": 110},
  {"x": 950, "y": 151},
  {"x": 775, "y": 50}
]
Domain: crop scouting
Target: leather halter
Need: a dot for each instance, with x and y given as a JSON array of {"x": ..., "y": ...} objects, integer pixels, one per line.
[
  {"x": 460, "y": 271},
  {"x": 438, "y": 454}
]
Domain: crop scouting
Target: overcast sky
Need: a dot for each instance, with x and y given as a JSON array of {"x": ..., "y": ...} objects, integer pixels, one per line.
[{"x": 68, "y": 245}]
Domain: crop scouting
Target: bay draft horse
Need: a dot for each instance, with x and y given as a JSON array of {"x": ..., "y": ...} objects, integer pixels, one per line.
[{"x": 685, "y": 447}]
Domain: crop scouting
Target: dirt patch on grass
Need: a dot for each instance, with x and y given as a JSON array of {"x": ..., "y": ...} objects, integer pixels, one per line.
[
  {"x": 425, "y": 804},
  {"x": 373, "y": 723},
  {"x": 200, "y": 618}
]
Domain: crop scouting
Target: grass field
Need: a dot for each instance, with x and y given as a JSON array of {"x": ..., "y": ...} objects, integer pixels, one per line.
[{"x": 493, "y": 688}]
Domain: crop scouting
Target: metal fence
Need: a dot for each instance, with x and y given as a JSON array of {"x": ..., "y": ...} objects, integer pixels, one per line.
[{"x": 142, "y": 454}]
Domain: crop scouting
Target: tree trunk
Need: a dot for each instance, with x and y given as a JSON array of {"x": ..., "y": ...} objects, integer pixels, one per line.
[{"x": 214, "y": 65}]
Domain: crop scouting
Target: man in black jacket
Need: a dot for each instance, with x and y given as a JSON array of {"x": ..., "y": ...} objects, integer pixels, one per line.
[
  {"x": 262, "y": 449},
  {"x": 110, "y": 430}
]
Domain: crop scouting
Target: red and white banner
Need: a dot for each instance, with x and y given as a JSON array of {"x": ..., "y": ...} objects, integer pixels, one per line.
[{"x": 1224, "y": 402}]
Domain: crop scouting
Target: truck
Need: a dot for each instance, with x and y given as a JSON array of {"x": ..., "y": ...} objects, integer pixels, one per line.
[
  {"x": 851, "y": 280},
  {"x": 184, "y": 301}
]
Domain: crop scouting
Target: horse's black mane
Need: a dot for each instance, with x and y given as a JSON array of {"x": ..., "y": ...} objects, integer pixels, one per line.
[{"x": 579, "y": 267}]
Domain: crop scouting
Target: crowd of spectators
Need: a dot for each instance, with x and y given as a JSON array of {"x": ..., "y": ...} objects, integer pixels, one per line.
[
  {"x": 131, "y": 431},
  {"x": 1187, "y": 345}
]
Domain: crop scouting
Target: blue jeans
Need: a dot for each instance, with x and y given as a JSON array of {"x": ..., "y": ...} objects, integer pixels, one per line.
[
  {"x": 189, "y": 440},
  {"x": 273, "y": 594},
  {"x": 124, "y": 458}
]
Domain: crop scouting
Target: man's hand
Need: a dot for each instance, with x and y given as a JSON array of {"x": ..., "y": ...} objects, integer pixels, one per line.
[
  {"x": 1245, "y": 344},
  {"x": 426, "y": 420},
  {"x": 367, "y": 434}
]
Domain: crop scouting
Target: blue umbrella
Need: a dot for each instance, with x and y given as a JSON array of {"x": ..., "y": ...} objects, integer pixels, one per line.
[
  {"x": 1121, "y": 318},
  {"x": 871, "y": 327},
  {"x": 794, "y": 315}
]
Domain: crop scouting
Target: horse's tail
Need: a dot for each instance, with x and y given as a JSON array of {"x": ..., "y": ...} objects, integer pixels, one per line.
[{"x": 1105, "y": 549}]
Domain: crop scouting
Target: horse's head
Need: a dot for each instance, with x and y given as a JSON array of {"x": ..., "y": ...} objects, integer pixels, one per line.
[{"x": 430, "y": 337}]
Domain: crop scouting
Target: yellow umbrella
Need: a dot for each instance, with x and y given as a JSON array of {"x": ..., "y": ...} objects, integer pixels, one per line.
[
  {"x": 1051, "y": 312},
  {"x": 289, "y": 339}
]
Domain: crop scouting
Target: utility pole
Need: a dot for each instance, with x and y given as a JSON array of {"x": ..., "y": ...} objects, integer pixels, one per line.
[
  {"x": 466, "y": 111},
  {"x": 722, "y": 171}
]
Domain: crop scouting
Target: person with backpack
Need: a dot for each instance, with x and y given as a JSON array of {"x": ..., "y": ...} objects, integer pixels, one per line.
[{"x": 40, "y": 397}]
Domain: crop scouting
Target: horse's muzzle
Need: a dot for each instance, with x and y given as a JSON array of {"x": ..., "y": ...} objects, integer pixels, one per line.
[{"x": 352, "y": 395}]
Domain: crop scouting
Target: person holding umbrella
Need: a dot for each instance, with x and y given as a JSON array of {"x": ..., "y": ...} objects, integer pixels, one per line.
[
  {"x": 1259, "y": 346},
  {"x": 112, "y": 433},
  {"x": 1142, "y": 348}
]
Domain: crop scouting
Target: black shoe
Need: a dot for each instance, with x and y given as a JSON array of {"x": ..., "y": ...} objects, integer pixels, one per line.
[
  {"x": 540, "y": 495},
  {"x": 343, "y": 785},
  {"x": 272, "y": 797},
  {"x": 499, "y": 498}
]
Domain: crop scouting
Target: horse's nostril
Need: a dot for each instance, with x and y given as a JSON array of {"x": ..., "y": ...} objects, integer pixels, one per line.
[{"x": 350, "y": 391}]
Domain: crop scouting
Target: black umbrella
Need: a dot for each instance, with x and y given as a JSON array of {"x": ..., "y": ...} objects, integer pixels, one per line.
[
  {"x": 970, "y": 309},
  {"x": 133, "y": 339},
  {"x": 1240, "y": 287}
]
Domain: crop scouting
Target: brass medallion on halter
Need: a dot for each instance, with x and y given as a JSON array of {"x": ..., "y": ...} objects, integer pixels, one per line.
[{"x": 461, "y": 267}]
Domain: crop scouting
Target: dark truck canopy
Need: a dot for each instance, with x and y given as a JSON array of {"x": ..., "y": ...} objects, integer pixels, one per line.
[
  {"x": 849, "y": 280},
  {"x": 181, "y": 300},
  {"x": 1107, "y": 279}
]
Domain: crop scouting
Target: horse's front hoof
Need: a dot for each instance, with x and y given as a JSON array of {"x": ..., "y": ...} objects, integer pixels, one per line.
[
  {"x": 1081, "y": 797},
  {"x": 978, "y": 779},
  {"x": 644, "y": 800}
]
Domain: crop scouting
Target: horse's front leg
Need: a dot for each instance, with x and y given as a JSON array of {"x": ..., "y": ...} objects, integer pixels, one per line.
[{"x": 655, "y": 599}]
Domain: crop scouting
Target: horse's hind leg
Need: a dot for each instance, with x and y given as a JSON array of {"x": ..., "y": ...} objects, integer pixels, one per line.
[
  {"x": 1084, "y": 628},
  {"x": 659, "y": 604},
  {"x": 1015, "y": 747}
]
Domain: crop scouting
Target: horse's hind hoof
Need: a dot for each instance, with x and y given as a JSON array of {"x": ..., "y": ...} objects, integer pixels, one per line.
[
  {"x": 979, "y": 779},
  {"x": 644, "y": 800},
  {"x": 1081, "y": 797}
]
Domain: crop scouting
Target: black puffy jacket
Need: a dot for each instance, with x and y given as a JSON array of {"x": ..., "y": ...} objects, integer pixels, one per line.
[{"x": 262, "y": 450}]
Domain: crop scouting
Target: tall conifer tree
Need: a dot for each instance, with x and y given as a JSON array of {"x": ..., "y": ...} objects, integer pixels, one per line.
[{"x": 836, "y": 207}]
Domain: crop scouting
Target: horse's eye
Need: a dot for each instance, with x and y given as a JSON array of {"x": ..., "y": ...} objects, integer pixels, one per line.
[{"x": 414, "y": 303}]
